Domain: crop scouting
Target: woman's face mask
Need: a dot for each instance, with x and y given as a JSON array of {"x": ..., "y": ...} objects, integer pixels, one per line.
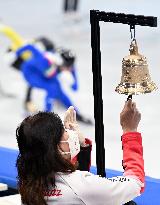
[{"x": 73, "y": 142}]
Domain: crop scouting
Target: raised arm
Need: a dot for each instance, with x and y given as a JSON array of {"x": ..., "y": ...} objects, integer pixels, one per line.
[
  {"x": 133, "y": 162},
  {"x": 121, "y": 189}
]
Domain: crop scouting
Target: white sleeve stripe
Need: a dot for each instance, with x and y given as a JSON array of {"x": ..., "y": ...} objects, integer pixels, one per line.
[{"x": 136, "y": 178}]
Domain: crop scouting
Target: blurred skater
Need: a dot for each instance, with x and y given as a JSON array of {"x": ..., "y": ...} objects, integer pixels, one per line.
[
  {"x": 52, "y": 72},
  {"x": 66, "y": 73},
  {"x": 18, "y": 41}
]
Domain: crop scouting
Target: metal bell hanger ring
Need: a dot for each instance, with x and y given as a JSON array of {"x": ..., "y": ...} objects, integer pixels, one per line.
[
  {"x": 132, "y": 31},
  {"x": 133, "y": 35}
]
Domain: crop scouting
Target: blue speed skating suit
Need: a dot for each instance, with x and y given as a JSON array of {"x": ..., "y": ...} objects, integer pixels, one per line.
[{"x": 41, "y": 72}]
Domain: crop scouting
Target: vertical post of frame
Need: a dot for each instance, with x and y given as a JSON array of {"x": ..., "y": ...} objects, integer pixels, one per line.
[
  {"x": 97, "y": 92},
  {"x": 95, "y": 17}
]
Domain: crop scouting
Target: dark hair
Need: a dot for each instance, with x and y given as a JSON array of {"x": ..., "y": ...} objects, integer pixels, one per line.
[
  {"x": 39, "y": 159},
  {"x": 67, "y": 56},
  {"x": 46, "y": 42}
]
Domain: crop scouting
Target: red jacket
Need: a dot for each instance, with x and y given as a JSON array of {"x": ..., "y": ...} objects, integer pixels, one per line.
[{"x": 133, "y": 162}]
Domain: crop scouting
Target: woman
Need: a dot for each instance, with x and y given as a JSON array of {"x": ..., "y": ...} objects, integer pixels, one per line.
[{"x": 47, "y": 173}]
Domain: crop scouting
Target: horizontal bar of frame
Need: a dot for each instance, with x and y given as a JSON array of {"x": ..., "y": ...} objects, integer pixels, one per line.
[{"x": 129, "y": 19}]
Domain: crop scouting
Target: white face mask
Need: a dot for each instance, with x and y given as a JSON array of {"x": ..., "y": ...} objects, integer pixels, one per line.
[{"x": 73, "y": 142}]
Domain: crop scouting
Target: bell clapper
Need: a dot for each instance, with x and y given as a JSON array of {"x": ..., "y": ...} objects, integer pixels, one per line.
[{"x": 129, "y": 97}]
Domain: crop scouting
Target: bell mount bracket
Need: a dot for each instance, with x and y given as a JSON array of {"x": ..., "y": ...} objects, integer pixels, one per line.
[{"x": 95, "y": 17}]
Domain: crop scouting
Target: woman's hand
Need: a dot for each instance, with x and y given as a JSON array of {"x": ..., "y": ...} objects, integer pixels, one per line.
[
  {"x": 71, "y": 123},
  {"x": 130, "y": 117}
]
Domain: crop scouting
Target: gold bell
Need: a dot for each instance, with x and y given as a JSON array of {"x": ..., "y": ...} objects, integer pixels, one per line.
[{"x": 135, "y": 74}]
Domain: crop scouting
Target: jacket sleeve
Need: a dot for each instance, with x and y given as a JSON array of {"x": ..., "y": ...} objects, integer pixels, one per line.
[
  {"x": 84, "y": 156},
  {"x": 133, "y": 162}
]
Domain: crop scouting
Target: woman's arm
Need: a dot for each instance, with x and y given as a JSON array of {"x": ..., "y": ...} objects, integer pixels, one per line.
[
  {"x": 121, "y": 189},
  {"x": 133, "y": 162}
]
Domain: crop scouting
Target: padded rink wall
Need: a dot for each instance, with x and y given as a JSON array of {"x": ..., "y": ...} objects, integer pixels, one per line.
[{"x": 8, "y": 174}]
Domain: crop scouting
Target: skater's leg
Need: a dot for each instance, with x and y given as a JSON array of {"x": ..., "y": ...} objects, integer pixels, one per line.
[
  {"x": 28, "y": 105},
  {"x": 83, "y": 119},
  {"x": 66, "y": 101},
  {"x": 52, "y": 89},
  {"x": 75, "y": 5},
  {"x": 28, "y": 94},
  {"x": 66, "y": 5},
  {"x": 48, "y": 103}
]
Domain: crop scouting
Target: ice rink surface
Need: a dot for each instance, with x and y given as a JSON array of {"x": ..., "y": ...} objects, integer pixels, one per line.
[{"x": 36, "y": 18}]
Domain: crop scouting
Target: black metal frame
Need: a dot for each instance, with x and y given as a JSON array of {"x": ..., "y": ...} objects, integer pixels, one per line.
[{"x": 95, "y": 17}]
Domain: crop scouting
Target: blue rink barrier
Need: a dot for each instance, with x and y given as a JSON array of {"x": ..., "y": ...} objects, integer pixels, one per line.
[{"x": 8, "y": 174}]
